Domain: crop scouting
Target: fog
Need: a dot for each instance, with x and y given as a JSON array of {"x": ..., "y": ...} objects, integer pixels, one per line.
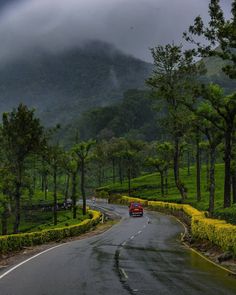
[{"x": 32, "y": 26}]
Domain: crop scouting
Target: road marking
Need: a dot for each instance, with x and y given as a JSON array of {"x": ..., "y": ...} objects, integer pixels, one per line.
[
  {"x": 131, "y": 238},
  {"x": 27, "y": 260},
  {"x": 139, "y": 232},
  {"x": 123, "y": 244},
  {"x": 124, "y": 273}
]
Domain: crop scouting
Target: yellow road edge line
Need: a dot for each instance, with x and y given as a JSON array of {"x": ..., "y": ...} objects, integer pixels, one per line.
[{"x": 200, "y": 254}]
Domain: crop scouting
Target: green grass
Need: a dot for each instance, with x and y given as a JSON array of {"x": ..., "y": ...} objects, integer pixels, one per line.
[
  {"x": 148, "y": 187},
  {"x": 38, "y": 220}
]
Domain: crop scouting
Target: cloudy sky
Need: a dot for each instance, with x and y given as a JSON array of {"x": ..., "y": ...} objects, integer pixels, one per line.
[{"x": 131, "y": 25}]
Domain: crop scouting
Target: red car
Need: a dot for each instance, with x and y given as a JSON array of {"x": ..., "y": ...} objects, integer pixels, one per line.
[{"x": 135, "y": 209}]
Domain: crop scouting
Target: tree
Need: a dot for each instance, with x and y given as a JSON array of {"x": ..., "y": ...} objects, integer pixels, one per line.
[
  {"x": 174, "y": 72},
  {"x": 55, "y": 156},
  {"x": 22, "y": 136},
  {"x": 220, "y": 110},
  {"x": 71, "y": 166},
  {"x": 214, "y": 138},
  {"x": 219, "y": 36},
  {"x": 162, "y": 163},
  {"x": 4, "y": 212},
  {"x": 81, "y": 150},
  {"x": 219, "y": 40}
]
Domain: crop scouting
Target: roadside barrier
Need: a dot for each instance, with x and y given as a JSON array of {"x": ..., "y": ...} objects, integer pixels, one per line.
[{"x": 17, "y": 242}]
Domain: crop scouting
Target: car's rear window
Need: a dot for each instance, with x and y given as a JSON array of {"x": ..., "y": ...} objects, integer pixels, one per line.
[{"x": 136, "y": 205}]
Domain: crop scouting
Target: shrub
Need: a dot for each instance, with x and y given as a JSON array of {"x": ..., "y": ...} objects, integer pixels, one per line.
[{"x": 16, "y": 242}]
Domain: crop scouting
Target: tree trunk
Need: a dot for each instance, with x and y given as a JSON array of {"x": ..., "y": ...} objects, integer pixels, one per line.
[
  {"x": 113, "y": 171},
  {"x": 234, "y": 186},
  {"x": 188, "y": 162},
  {"x": 180, "y": 186},
  {"x": 5, "y": 216},
  {"x": 67, "y": 186},
  {"x": 233, "y": 170},
  {"x": 166, "y": 182},
  {"x": 82, "y": 186},
  {"x": 198, "y": 166},
  {"x": 55, "y": 195},
  {"x": 162, "y": 183},
  {"x": 99, "y": 175},
  {"x": 129, "y": 181},
  {"x": 212, "y": 179},
  {"x": 46, "y": 187},
  {"x": 120, "y": 172},
  {"x": 43, "y": 182},
  {"x": 227, "y": 160},
  {"x": 17, "y": 208},
  {"x": 207, "y": 172},
  {"x": 74, "y": 194}
]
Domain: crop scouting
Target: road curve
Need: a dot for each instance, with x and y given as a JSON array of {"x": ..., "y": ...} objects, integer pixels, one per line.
[{"x": 141, "y": 255}]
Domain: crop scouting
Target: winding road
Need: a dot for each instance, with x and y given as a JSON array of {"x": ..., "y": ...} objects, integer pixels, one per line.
[{"x": 141, "y": 255}]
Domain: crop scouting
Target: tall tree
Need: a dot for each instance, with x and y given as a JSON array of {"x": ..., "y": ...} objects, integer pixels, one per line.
[
  {"x": 82, "y": 151},
  {"x": 219, "y": 36},
  {"x": 55, "y": 158},
  {"x": 220, "y": 110},
  {"x": 162, "y": 163},
  {"x": 174, "y": 70},
  {"x": 71, "y": 166},
  {"x": 22, "y": 136}
]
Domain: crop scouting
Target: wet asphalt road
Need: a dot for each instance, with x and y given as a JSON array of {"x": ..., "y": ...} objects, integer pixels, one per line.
[{"x": 136, "y": 256}]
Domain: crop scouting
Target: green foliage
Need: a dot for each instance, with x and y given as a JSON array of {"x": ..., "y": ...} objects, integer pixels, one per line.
[
  {"x": 228, "y": 214},
  {"x": 133, "y": 118},
  {"x": 148, "y": 187},
  {"x": 16, "y": 242},
  {"x": 219, "y": 36},
  {"x": 22, "y": 133}
]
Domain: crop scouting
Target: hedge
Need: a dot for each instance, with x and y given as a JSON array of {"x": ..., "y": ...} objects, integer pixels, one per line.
[
  {"x": 218, "y": 232},
  {"x": 17, "y": 242}
]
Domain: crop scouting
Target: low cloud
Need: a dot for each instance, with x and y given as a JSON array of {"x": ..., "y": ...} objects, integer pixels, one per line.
[{"x": 131, "y": 25}]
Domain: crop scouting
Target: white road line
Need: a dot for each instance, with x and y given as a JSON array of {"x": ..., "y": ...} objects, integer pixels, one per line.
[
  {"x": 124, "y": 273},
  {"x": 123, "y": 244},
  {"x": 131, "y": 238},
  {"x": 139, "y": 232},
  {"x": 27, "y": 260}
]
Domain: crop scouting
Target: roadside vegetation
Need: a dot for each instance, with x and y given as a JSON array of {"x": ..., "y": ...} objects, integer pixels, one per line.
[{"x": 175, "y": 141}]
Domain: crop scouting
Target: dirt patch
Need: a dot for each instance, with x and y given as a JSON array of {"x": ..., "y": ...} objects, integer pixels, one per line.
[{"x": 11, "y": 259}]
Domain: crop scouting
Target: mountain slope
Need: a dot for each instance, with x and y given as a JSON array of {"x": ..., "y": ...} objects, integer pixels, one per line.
[
  {"x": 63, "y": 86},
  {"x": 215, "y": 74}
]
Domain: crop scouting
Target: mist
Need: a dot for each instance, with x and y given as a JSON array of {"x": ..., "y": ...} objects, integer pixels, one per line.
[{"x": 133, "y": 26}]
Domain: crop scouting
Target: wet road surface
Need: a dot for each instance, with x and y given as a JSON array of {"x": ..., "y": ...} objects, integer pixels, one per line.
[{"x": 141, "y": 255}]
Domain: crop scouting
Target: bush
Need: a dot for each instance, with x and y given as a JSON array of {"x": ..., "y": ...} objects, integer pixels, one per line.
[
  {"x": 228, "y": 214},
  {"x": 16, "y": 242}
]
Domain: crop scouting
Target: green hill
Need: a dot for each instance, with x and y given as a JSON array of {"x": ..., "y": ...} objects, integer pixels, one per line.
[
  {"x": 215, "y": 74},
  {"x": 63, "y": 86}
]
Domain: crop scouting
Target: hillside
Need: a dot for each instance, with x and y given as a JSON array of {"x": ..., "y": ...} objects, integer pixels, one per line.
[
  {"x": 216, "y": 75},
  {"x": 63, "y": 86}
]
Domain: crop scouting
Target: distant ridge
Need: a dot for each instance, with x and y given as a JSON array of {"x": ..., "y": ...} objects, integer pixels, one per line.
[{"x": 62, "y": 86}]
